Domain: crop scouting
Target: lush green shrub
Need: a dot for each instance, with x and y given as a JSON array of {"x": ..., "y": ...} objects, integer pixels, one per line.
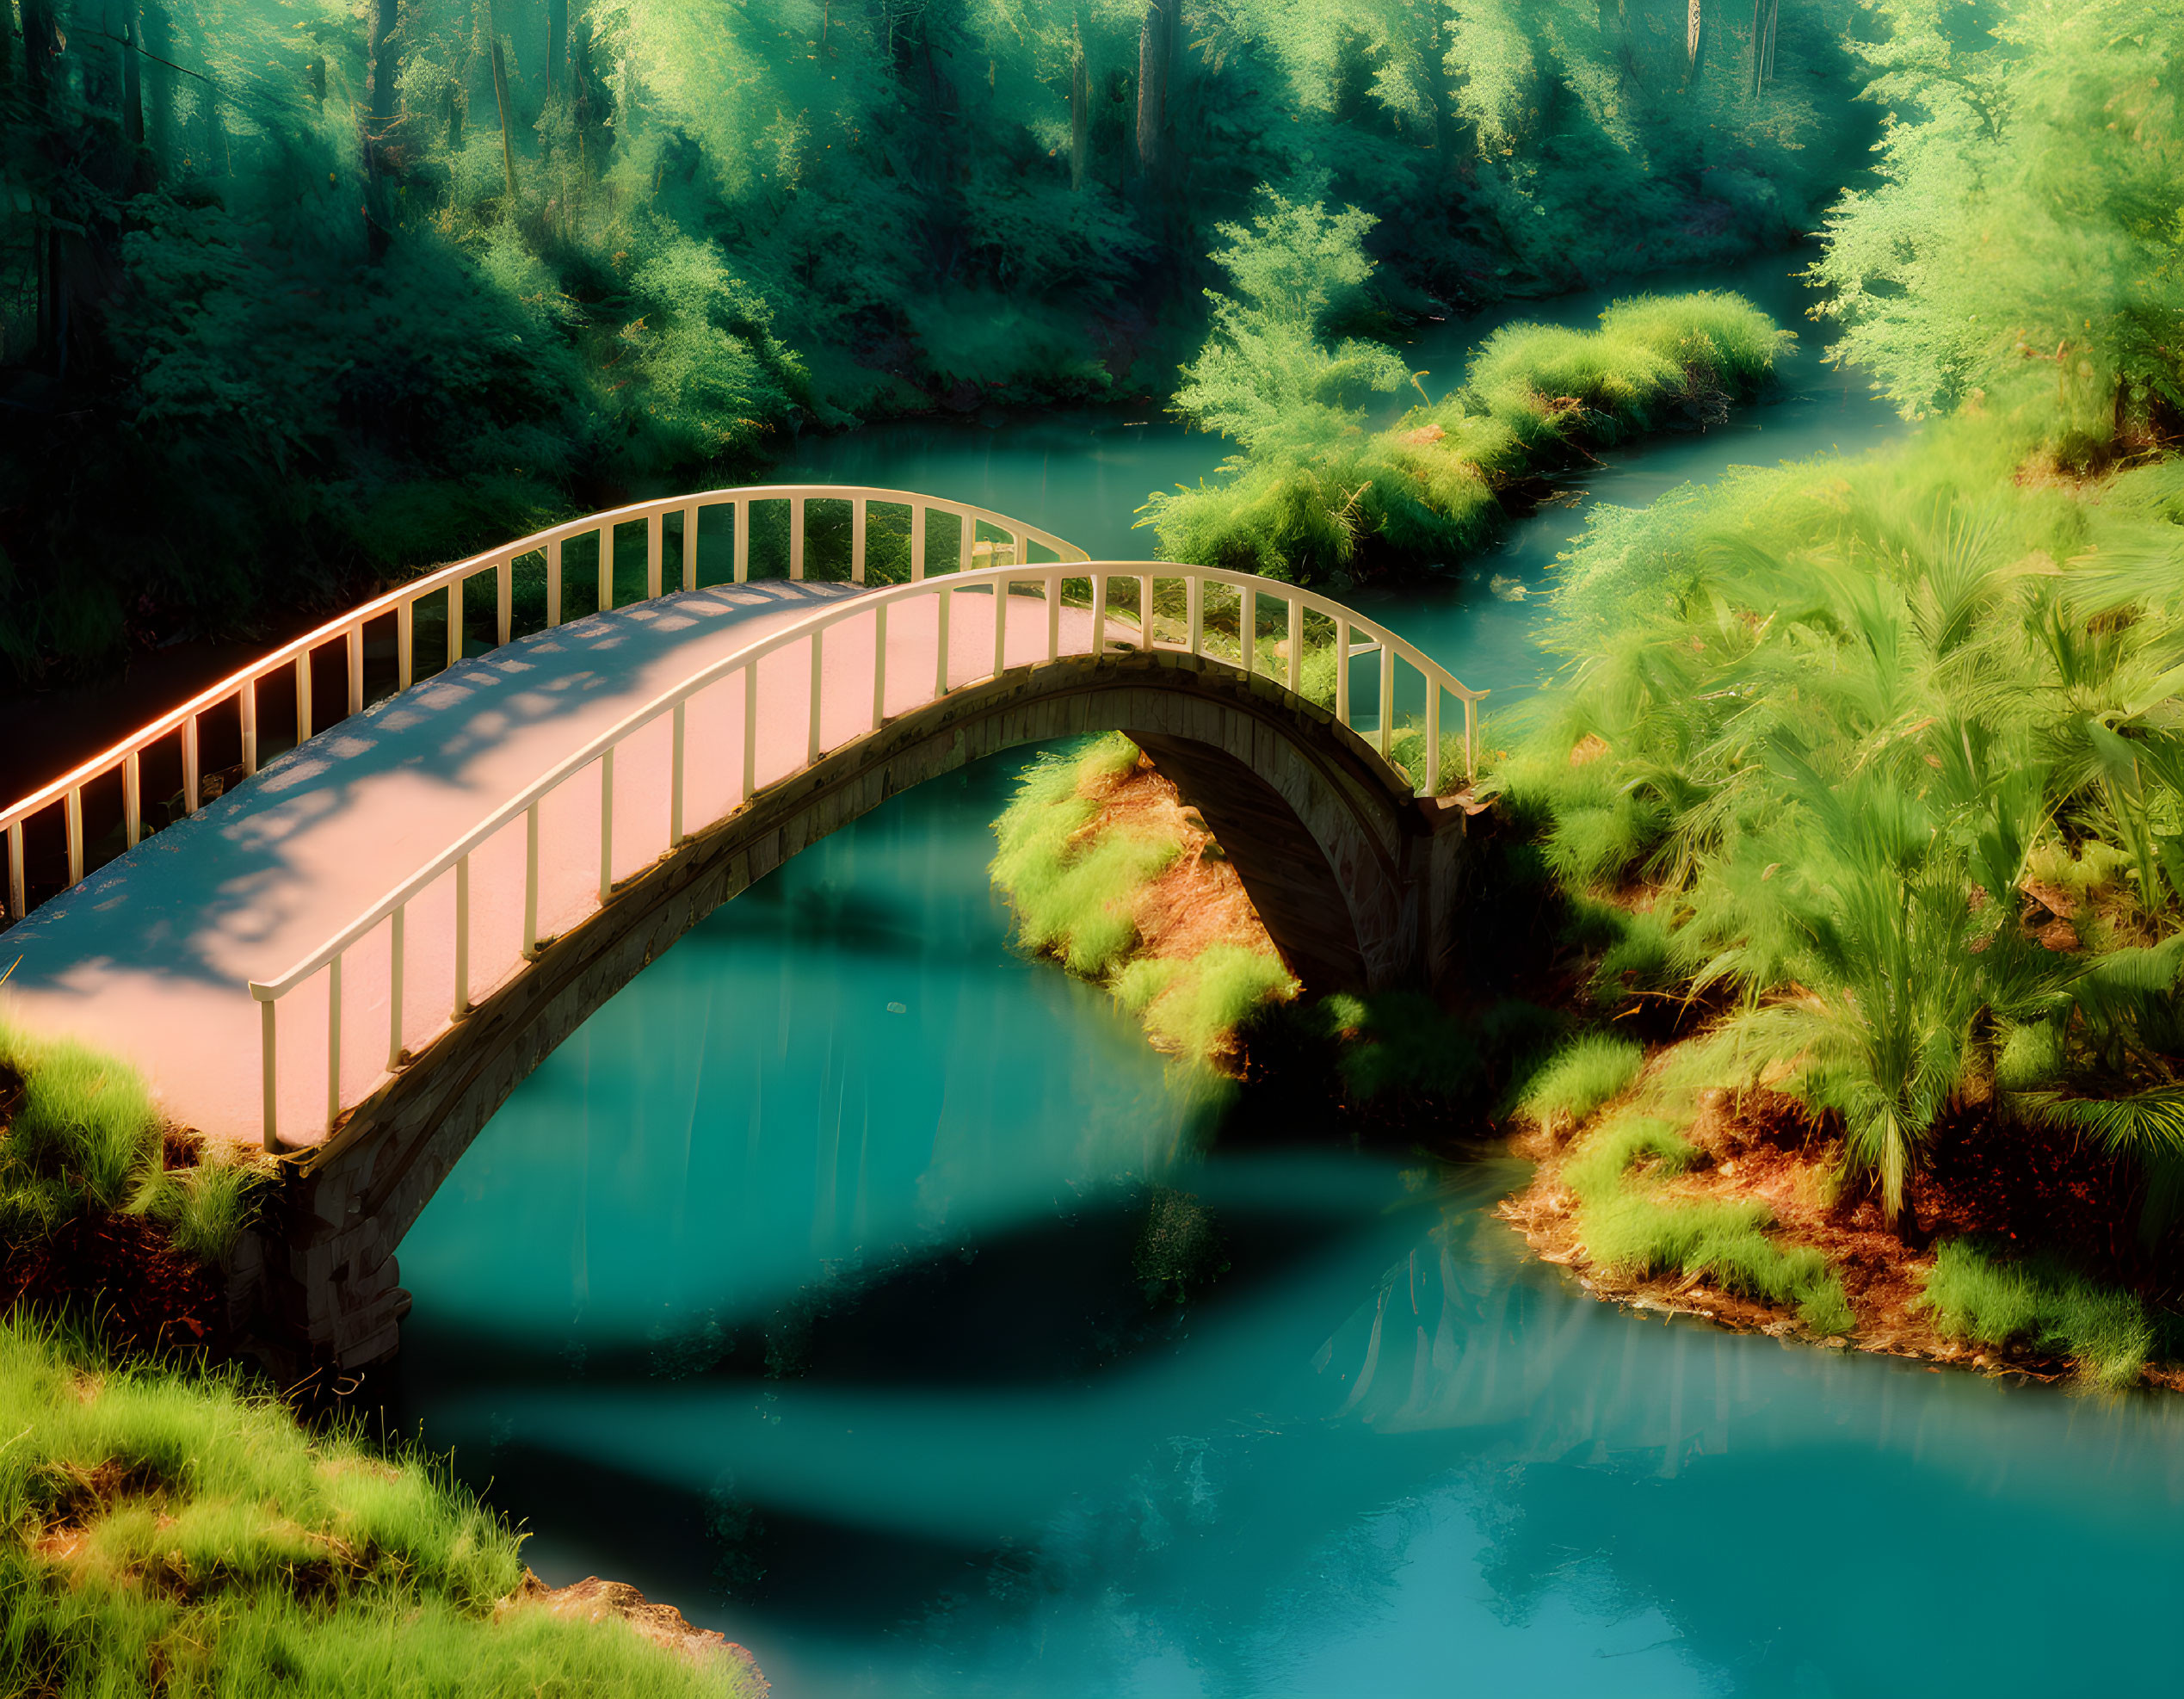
[
  {"x": 1312, "y": 494},
  {"x": 1976, "y": 1294}
]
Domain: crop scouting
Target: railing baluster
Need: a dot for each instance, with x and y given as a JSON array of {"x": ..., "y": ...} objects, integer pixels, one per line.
[
  {"x": 505, "y": 592},
  {"x": 655, "y": 528},
  {"x": 1470, "y": 740},
  {"x": 72, "y": 818},
  {"x": 247, "y": 704},
  {"x": 1194, "y": 612},
  {"x": 268, "y": 1071},
  {"x": 553, "y": 582},
  {"x": 1342, "y": 671},
  {"x": 1296, "y": 647},
  {"x": 353, "y": 648},
  {"x": 1247, "y": 628},
  {"x": 131, "y": 799},
  {"x": 606, "y": 826},
  {"x": 742, "y": 542},
  {"x": 304, "y": 717},
  {"x": 455, "y": 621},
  {"x": 1020, "y": 549},
  {"x": 1432, "y": 787},
  {"x": 606, "y": 569},
  {"x": 917, "y": 544},
  {"x": 189, "y": 764},
  {"x": 751, "y": 730},
  {"x": 1000, "y": 627},
  {"x": 1098, "y": 615},
  {"x": 857, "y": 540},
  {"x": 17, "y": 907},
  {"x": 1053, "y": 619},
  {"x": 967, "y": 541},
  {"x": 462, "y": 936},
  {"x": 405, "y": 642},
  {"x": 1387, "y": 698},
  {"x": 675, "y": 780},
  {"x": 941, "y": 659},
  {"x": 531, "y": 881},
  {"x": 796, "y": 540},
  {"x": 397, "y": 970},
  {"x": 690, "y": 546},
  {"x": 818, "y": 684},
  {"x": 333, "y": 1041},
  {"x": 1146, "y": 614},
  {"x": 878, "y": 665}
]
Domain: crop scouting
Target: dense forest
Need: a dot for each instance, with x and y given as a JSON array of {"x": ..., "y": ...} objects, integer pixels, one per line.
[{"x": 296, "y": 294}]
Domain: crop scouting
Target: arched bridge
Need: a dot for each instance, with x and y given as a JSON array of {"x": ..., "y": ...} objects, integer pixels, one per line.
[{"x": 354, "y": 955}]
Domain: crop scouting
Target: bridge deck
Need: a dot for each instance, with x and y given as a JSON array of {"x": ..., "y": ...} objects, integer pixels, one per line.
[{"x": 150, "y": 956}]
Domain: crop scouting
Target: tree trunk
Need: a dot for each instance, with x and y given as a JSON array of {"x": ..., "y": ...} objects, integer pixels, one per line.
[
  {"x": 1153, "y": 56},
  {"x": 557, "y": 80},
  {"x": 1080, "y": 107},
  {"x": 132, "y": 83},
  {"x": 37, "y": 46},
  {"x": 500, "y": 103},
  {"x": 382, "y": 64}
]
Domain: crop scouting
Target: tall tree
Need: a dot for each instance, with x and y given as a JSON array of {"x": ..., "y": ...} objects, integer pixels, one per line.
[
  {"x": 384, "y": 55},
  {"x": 1156, "y": 51}
]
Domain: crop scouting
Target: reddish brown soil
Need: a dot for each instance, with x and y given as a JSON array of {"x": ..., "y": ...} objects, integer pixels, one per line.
[
  {"x": 1198, "y": 901},
  {"x": 120, "y": 1271},
  {"x": 1762, "y": 1145},
  {"x": 595, "y": 1601}
]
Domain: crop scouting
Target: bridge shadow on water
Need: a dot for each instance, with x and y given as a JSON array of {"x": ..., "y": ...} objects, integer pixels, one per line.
[{"x": 1365, "y": 1445}]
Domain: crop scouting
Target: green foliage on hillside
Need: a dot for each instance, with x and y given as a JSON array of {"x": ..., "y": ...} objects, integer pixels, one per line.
[
  {"x": 2024, "y": 235},
  {"x": 298, "y": 296},
  {"x": 166, "y": 1531}
]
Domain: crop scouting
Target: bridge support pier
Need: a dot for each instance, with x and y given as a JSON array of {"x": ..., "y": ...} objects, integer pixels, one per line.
[{"x": 1359, "y": 883}]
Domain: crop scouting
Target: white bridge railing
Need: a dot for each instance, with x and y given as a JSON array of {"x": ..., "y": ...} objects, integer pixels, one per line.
[
  {"x": 239, "y": 694},
  {"x": 1057, "y": 584}
]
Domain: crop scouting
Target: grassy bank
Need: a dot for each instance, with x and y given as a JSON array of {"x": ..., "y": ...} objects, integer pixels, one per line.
[
  {"x": 1108, "y": 873},
  {"x": 1316, "y": 498},
  {"x": 107, "y": 1212},
  {"x": 164, "y": 1530}
]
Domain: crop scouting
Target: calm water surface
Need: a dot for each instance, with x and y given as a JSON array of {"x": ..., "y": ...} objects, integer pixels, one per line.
[{"x": 867, "y": 1291}]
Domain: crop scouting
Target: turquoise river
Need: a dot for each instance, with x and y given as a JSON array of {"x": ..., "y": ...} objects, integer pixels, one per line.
[{"x": 872, "y": 1293}]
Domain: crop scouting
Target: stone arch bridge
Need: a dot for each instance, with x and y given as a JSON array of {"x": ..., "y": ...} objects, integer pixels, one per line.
[{"x": 352, "y": 952}]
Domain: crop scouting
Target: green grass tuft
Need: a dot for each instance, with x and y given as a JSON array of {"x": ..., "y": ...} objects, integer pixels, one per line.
[
  {"x": 1977, "y": 1296},
  {"x": 1072, "y": 898},
  {"x": 191, "y": 1528},
  {"x": 1205, "y": 999},
  {"x": 1581, "y": 1075},
  {"x": 1630, "y": 1229}
]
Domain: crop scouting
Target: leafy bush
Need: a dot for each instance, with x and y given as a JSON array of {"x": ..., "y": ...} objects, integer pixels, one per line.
[{"x": 1311, "y": 490}]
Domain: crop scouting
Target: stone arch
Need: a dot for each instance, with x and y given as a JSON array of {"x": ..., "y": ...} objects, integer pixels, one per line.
[{"x": 1355, "y": 879}]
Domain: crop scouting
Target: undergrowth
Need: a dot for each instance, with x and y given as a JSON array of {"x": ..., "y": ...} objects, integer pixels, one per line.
[
  {"x": 163, "y": 1529},
  {"x": 1631, "y": 1224},
  {"x": 83, "y": 1137},
  {"x": 1977, "y": 1296},
  {"x": 1074, "y": 891}
]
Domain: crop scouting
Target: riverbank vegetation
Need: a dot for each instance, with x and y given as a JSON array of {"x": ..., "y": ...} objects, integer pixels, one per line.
[
  {"x": 107, "y": 1213},
  {"x": 1316, "y": 496},
  {"x": 299, "y": 297},
  {"x": 1872, "y": 770},
  {"x": 1108, "y": 872},
  {"x": 165, "y": 1530}
]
